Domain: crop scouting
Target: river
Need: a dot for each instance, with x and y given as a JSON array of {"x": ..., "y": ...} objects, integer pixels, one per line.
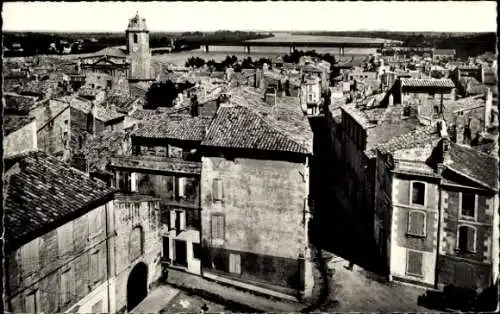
[{"x": 219, "y": 53}]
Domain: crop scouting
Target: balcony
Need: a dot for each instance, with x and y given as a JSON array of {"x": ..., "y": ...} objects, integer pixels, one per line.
[{"x": 157, "y": 163}]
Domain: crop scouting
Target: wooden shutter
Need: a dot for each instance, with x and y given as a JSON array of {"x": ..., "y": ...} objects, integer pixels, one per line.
[
  {"x": 217, "y": 189},
  {"x": 218, "y": 227},
  {"x": 214, "y": 227},
  {"x": 172, "y": 219},
  {"x": 471, "y": 237},
  {"x": 30, "y": 303},
  {"x": 65, "y": 288},
  {"x": 133, "y": 182},
  {"x": 235, "y": 263},
  {"x": 181, "y": 186},
  {"x": 410, "y": 223},
  {"x": 414, "y": 266},
  {"x": 94, "y": 267},
  {"x": 182, "y": 219},
  {"x": 221, "y": 227}
]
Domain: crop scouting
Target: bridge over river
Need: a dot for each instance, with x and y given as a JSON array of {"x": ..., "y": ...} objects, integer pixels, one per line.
[{"x": 304, "y": 41}]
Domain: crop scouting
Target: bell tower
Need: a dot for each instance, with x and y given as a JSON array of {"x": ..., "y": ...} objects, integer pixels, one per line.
[{"x": 138, "y": 49}]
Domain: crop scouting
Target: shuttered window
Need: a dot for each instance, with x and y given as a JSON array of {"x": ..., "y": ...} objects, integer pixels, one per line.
[
  {"x": 67, "y": 286},
  {"x": 96, "y": 221},
  {"x": 414, "y": 263},
  {"x": 181, "y": 187},
  {"x": 65, "y": 238},
  {"x": 235, "y": 263},
  {"x": 218, "y": 227},
  {"x": 466, "y": 239},
  {"x": 468, "y": 204},
  {"x": 217, "y": 190},
  {"x": 135, "y": 243},
  {"x": 416, "y": 223},
  {"x": 30, "y": 256},
  {"x": 418, "y": 193},
  {"x": 94, "y": 267}
]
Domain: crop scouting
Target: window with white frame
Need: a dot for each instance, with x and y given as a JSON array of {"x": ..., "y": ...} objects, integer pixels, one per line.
[
  {"x": 468, "y": 204},
  {"x": 417, "y": 193},
  {"x": 466, "y": 239},
  {"x": 414, "y": 262},
  {"x": 416, "y": 223}
]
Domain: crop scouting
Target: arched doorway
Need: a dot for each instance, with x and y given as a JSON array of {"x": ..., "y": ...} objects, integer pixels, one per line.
[{"x": 137, "y": 285}]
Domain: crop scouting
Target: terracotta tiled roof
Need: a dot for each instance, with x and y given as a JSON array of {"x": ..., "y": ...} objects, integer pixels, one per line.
[
  {"x": 286, "y": 115},
  {"x": 19, "y": 104},
  {"x": 122, "y": 103},
  {"x": 445, "y": 83},
  {"x": 102, "y": 113},
  {"x": 44, "y": 194},
  {"x": 474, "y": 164},
  {"x": 417, "y": 138},
  {"x": 180, "y": 127},
  {"x": 241, "y": 127},
  {"x": 12, "y": 123},
  {"x": 148, "y": 114}
]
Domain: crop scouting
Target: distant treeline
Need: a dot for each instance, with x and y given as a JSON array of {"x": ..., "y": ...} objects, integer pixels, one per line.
[
  {"x": 32, "y": 43},
  {"x": 465, "y": 44},
  {"x": 230, "y": 61},
  {"x": 249, "y": 63}
]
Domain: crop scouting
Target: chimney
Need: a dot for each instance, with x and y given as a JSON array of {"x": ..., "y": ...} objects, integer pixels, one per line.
[
  {"x": 459, "y": 129},
  {"x": 194, "y": 106},
  {"x": 487, "y": 109},
  {"x": 270, "y": 96}
]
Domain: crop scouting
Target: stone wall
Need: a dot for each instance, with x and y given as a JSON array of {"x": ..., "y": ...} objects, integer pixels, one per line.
[
  {"x": 263, "y": 203},
  {"x": 21, "y": 141},
  {"x": 143, "y": 214},
  {"x": 44, "y": 278}
]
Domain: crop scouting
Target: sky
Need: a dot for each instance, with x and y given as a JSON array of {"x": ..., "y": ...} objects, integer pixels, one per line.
[{"x": 466, "y": 16}]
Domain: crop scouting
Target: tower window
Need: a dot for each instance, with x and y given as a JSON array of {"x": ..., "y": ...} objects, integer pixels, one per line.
[{"x": 135, "y": 39}]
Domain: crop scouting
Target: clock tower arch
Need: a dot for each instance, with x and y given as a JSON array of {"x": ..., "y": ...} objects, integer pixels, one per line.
[{"x": 138, "y": 49}]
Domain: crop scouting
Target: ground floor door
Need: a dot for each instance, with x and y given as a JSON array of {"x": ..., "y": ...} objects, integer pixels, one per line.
[
  {"x": 464, "y": 275},
  {"x": 180, "y": 253},
  {"x": 137, "y": 286}
]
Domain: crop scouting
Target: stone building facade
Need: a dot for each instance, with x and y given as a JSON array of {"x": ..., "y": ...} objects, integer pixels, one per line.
[
  {"x": 136, "y": 248},
  {"x": 255, "y": 205},
  {"x": 435, "y": 219}
]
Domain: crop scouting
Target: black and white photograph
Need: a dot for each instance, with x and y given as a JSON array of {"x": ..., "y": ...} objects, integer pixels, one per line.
[{"x": 250, "y": 157}]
